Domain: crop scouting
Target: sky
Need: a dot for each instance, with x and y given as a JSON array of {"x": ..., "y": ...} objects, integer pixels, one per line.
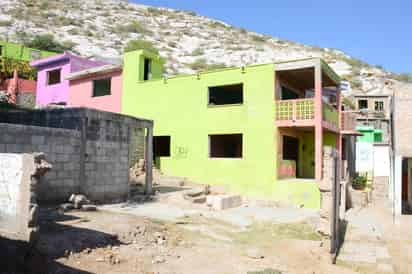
[{"x": 376, "y": 31}]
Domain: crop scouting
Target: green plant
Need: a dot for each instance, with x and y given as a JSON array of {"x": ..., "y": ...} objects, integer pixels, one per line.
[
  {"x": 23, "y": 67},
  {"x": 172, "y": 44},
  {"x": 199, "y": 64},
  {"x": 243, "y": 31},
  {"x": 259, "y": 39},
  {"x": 266, "y": 271},
  {"x": 355, "y": 83},
  {"x": 197, "y": 52},
  {"x": 155, "y": 11},
  {"x": 47, "y": 42},
  {"x": 6, "y": 23},
  {"x": 359, "y": 182},
  {"x": 134, "y": 27},
  {"x": 140, "y": 44},
  {"x": 404, "y": 77},
  {"x": 216, "y": 24},
  {"x": 189, "y": 12}
]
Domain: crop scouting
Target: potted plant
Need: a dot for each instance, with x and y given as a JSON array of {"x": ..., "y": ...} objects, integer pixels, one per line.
[{"x": 359, "y": 182}]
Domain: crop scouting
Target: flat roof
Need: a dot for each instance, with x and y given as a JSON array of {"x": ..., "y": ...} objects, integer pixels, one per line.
[{"x": 93, "y": 72}]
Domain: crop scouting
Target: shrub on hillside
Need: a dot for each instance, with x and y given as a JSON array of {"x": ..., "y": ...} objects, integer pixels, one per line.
[
  {"x": 140, "y": 44},
  {"x": 47, "y": 42},
  {"x": 133, "y": 27},
  {"x": 404, "y": 77}
]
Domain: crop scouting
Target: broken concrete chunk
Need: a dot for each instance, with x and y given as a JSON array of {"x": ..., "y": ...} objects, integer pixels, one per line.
[
  {"x": 254, "y": 253},
  {"x": 194, "y": 192},
  {"x": 199, "y": 200},
  {"x": 158, "y": 260},
  {"x": 78, "y": 200},
  {"x": 221, "y": 202},
  {"x": 89, "y": 207}
]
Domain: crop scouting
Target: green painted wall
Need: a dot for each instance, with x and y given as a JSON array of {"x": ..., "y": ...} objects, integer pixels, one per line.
[
  {"x": 368, "y": 134},
  {"x": 20, "y": 52},
  {"x": 179, "y": 108},
  {"x": 156, "y": 64},
  {"x": 308, "y": 155}
]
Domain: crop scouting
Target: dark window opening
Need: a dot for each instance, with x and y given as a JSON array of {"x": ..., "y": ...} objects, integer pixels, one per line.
[
  {"x": 288, "y": 94},
  {"x": 290, "y": 148},
  {"x": 53, "y": 77},
  {"x": 161, "y": 146},
  {"x": 226, "y": 95},
  {"x": 379, "y": 106},
  {"x": 147, "y": 74},
  {"x": 363, "y": 104},
  {"x": 102, "y": 87},
  {"x": 225, "y": 146}
]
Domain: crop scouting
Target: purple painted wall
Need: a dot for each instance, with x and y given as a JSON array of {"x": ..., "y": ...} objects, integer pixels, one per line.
[{"x": 58, "y": 93}]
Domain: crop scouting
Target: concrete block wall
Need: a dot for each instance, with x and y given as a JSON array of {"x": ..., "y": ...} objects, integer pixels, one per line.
[
  {"x": 107, "y": 160},
  {"x": 61, "y": 147},
  {"x": 91, "y": 150}
]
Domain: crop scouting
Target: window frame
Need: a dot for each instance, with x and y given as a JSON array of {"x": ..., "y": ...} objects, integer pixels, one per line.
[
  {"x": 226, "y": 105},
  {"x": 48, "y": 76},
  {"x": 382, "y": 104},
  {"x": 94, "y": 85},
  {"x": 367, "y": 104},
  {"x": 209, "y": 136}
]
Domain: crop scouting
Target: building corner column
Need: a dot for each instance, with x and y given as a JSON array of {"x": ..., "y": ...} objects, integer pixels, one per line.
[
  {"x": 149, "y": 161},
  {"x": 318, "y": 121}
]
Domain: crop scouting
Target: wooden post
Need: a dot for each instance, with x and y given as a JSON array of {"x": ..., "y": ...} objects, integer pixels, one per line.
[
  {"x": 318, "y": 122},
  {"x": 149, "y": 161}
]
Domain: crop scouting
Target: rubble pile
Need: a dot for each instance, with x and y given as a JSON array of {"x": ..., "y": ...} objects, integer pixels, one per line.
[{"x": 78, "y": 201}]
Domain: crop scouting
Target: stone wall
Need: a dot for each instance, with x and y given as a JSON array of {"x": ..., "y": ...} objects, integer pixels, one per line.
[{"x": 91, "y": 151}]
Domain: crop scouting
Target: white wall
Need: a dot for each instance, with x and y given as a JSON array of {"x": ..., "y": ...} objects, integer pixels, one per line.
[
  {"x": 381, "y": 165},
  {"x": 398, "y": 185}
]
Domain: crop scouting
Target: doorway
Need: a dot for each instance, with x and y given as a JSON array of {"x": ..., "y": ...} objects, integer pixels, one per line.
[
  {"x": 406, "y": 180},
  {"x": 290, "y": 150}
]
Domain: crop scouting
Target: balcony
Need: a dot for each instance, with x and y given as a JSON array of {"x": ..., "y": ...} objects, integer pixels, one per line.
[
  {"x": 330, "y": 115},
  {"x": 295, "y": 112},
  {"x": 301, "y": 112}
]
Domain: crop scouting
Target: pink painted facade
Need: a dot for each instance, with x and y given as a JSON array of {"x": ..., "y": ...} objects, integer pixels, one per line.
[
  {"x": 67, "y": 63},
  {"x": 81, "y": 92}
]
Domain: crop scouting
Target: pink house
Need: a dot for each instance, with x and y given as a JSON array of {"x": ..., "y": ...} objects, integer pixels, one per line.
[
  {"x": 52, "y": 88},
  {"x": 98, "y": 87}
]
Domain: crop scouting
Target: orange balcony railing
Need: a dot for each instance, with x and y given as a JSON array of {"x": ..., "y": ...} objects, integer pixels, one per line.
[{"x": 294, "y": 110}]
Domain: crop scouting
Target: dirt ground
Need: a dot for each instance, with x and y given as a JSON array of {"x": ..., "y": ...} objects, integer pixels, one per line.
[
  {"x": 170, "y": 235},
  {"x": 107, "y": 242}
]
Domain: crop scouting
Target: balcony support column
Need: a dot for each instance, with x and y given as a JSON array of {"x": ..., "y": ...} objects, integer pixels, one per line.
[
  {"x": 338, "y": 134},
  {"x": 318, "y": 122}
]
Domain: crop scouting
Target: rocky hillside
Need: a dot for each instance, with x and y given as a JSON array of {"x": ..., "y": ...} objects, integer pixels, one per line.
[{"x": 187, "y": 41}]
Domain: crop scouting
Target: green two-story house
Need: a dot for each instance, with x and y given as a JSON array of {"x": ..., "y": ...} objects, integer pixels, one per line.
[{"x": 259, "y": 130}]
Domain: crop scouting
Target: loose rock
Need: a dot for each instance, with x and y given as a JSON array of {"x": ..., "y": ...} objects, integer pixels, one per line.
[
  {"x": 254, "y": 253},
  {"x": 89, "y": 207}
]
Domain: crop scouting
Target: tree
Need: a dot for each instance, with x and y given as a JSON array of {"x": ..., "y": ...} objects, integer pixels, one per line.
[
  {"x": 140, "y": 44},
  {"x": 47, "y": 42}
]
